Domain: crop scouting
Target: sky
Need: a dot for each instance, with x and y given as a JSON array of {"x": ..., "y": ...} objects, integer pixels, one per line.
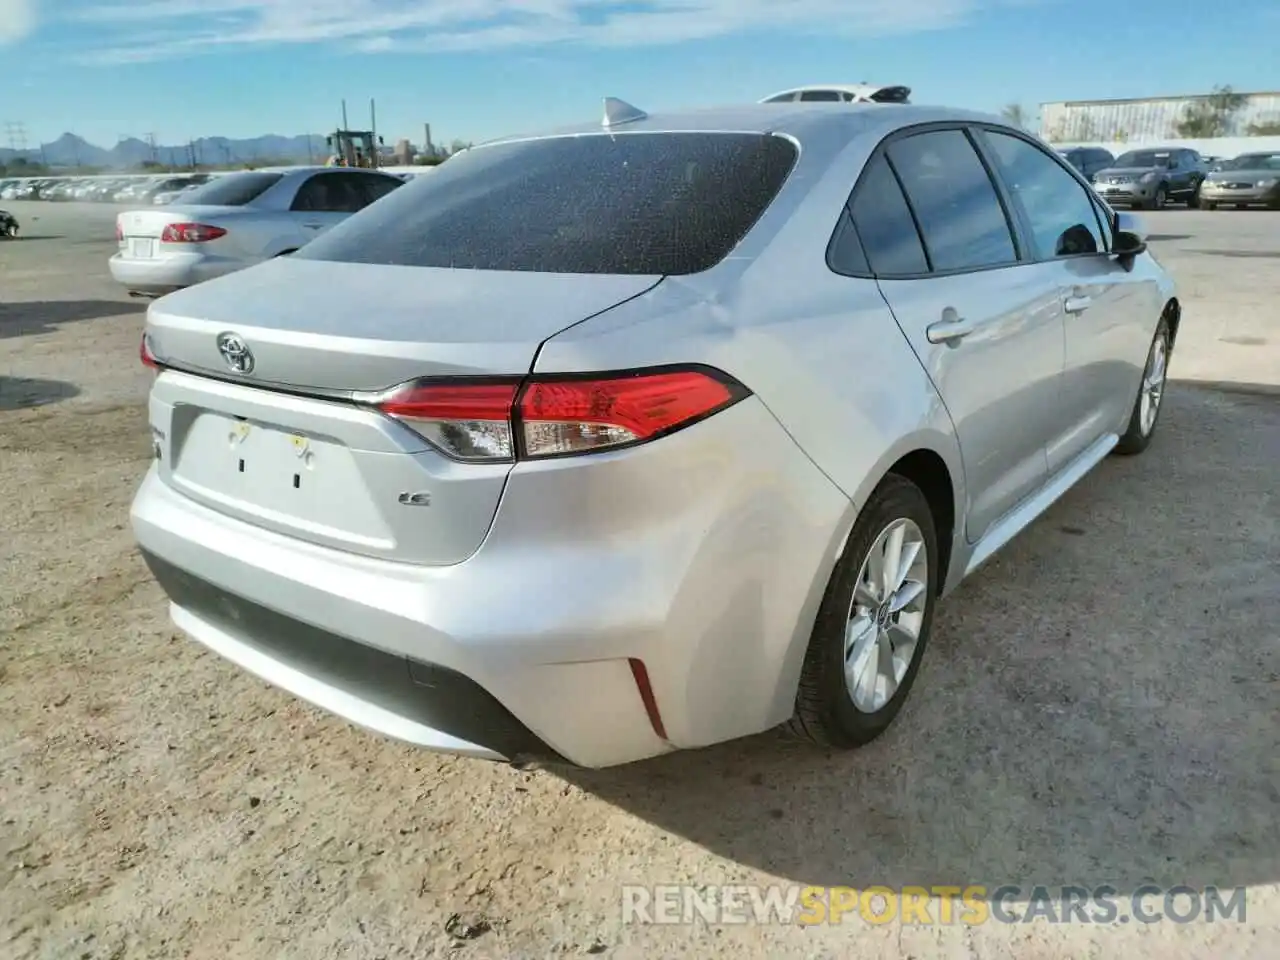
[{"x": 476, "y": 69}]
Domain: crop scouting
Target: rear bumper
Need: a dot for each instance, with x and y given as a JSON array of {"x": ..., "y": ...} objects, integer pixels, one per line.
[
  {"x": 704, "y": 556},
  {"x": 418, "y": 702},
  {"x": 165, "y": 274}
]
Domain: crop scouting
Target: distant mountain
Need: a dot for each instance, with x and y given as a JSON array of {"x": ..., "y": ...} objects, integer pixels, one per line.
[{"x": 70, "y": 150}]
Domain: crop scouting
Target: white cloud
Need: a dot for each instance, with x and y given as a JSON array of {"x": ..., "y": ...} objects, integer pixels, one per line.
[
  {"x": 17, "y": 20},
  {"x": 192, "y": 26}
]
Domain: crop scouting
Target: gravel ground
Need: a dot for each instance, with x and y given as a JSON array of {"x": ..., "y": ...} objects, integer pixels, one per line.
[{"x": 1099, "y": 706}]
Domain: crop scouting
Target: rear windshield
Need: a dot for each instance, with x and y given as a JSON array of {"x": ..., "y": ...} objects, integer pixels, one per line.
[
  {"x": 628, "y": 203},
  {"x": 233, "y": 190}
]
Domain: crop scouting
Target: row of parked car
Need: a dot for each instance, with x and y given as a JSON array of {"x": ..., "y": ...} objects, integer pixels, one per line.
[
  {"x": 1153, "y": 177},
  {"x": 153, "y": 189}
]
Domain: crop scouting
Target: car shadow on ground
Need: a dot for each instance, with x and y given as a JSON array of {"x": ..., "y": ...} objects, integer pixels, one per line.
[
  {"x": 1098, "y": 704},
  {"x": 19, "y": 393},
  {"x": 24, "y": 318}
]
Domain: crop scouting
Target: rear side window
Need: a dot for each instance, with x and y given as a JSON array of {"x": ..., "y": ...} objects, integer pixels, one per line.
[
  {"x": 375, "y": 188},
  {"x": 884, "y": 224},
  {"x": 628, "y": 203},
  {"x": 824, "y": 96},
  {"x": 233, "y": 190},
  {"x": 954, "y": 200},
  {"x": 331, "y": 193}
]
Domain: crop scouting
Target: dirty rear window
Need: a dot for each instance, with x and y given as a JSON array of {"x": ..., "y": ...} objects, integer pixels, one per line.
[
  {"x": 232, "y": 190},
  {"x": 627, "y": 203}
]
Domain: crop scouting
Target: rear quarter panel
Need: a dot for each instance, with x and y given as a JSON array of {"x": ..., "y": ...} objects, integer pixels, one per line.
[{"x": 822, "y": 351}]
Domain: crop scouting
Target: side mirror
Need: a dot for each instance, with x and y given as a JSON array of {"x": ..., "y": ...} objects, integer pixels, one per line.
[{"x": 1129, "y": 237}]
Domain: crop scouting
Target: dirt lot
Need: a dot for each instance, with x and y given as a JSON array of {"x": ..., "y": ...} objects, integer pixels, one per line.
[{"x": 1101, "y": 704}]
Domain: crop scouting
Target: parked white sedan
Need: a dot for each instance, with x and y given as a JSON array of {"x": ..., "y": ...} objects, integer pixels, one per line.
[{"x": 235, "y": 221}]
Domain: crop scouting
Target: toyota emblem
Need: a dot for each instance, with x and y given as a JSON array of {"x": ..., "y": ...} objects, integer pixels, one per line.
[{"x": 236, "y": 352}]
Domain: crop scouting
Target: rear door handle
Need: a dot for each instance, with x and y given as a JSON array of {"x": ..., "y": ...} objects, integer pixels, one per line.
[
  {"x": 1077, "y": 304},
  {"x": 950, "y": 329}
]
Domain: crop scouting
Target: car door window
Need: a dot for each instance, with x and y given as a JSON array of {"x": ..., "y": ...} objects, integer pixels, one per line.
[
  {"x": 884, "y": 224},
  {"x": 329, "y": 193},
  {"x": 376, "y": 187},
  {"x": 1062, "y": 218},
  {"x": 961, "y": 218},
  {"x": 826, "y": 96}
]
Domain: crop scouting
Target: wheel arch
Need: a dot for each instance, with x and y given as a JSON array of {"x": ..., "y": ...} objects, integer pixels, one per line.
[
  {"x": 928, "y": 470},
  {"x": 933, "y": 463},
  {"x": 1172, "y": 314}
]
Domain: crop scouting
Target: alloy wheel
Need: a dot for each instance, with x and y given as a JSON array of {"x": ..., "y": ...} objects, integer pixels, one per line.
[
  {"x": 1153, "y": 380},
  {"x": 890, "y": 598}
]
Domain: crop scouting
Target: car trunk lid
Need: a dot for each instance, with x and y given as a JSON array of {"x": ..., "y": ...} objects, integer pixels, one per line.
[{"x": 283, "y": 446}]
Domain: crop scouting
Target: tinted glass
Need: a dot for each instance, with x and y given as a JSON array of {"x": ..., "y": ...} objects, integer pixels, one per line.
[
  {"x": 954, "y": 201},
  {"x": 375, "y": 188},
  {"x": 331, "y": 193},
  {"x": 1062, "y": 217},
  {"x": 233, "y": 190},
  {"x": 638, "y": 203},
  {"x": 884, "y": 223},
  {"x": 845, "y": 254},
  {"x": 826, "y": 96},
  {"x": 782, "y": 98}
]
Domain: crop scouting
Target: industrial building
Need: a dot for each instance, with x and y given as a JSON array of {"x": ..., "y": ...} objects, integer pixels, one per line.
[{"x": 1150, "y": 119}]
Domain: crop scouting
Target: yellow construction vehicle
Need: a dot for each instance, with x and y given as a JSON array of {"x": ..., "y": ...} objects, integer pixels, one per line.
[{"x": 354, "y": 148}]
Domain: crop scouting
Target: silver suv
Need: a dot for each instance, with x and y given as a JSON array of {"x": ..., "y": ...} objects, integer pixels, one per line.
[{"x": 640, "y": 437}]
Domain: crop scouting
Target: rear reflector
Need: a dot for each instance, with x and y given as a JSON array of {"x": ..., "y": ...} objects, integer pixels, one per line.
[
  {"x": 191, "y": 233},
  {"x": 640, "y": 673},
  {"x": 488, "y": 420}
]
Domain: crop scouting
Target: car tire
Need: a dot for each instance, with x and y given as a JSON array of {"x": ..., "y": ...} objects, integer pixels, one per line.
[
  {"x": 837, "y": 704},
  {"x": 1155, "y": 375},
  {"x": 1207, "y": 205}
]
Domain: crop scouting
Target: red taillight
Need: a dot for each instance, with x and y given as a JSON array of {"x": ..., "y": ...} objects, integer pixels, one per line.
[
  {"x": 119, "y": 232},
  {"x": 501, "y": 420},
  {"x": 577, "y": 416},
  {"x": 146, "y": 356},
  {"x": 191, "y": 233},
  {"x": 467, "y": 420}
]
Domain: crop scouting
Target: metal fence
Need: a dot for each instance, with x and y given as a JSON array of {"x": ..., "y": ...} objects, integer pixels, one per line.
[{"x": 1121, "y": 121}]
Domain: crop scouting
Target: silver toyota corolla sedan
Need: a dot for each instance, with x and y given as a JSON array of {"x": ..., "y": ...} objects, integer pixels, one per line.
[{"x": 637, "y": 437}]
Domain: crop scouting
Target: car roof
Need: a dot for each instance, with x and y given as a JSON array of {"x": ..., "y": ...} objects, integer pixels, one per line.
[{"x": 800, "y": 120}]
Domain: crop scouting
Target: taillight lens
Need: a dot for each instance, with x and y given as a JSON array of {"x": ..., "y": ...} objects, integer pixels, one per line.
[
  {"x": 504, "y": 420},
  {"x": 146, "y": 355},
  {"x": 119, "y": 232},
  {"x": 467, "y": 420},
  {"x": 191, "y": 233},
  {"x": 579, "y": 416}
]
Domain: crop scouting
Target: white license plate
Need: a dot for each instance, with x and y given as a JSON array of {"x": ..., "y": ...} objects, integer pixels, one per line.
[{"x": 142, "y": 248}]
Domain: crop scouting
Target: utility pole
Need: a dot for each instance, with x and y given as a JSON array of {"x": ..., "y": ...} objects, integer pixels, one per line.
[
  {"x": 16, "y": 132},
  {"x": 151, "y": 142}
]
